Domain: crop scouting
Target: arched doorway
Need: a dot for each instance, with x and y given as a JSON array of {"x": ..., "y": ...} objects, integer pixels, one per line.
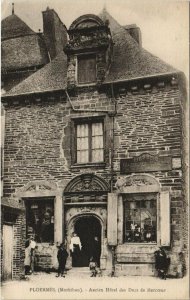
[{"x": 87, "y": 228}]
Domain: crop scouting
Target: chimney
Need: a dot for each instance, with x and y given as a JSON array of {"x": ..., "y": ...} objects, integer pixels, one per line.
[
  {"x": 135, "y": 32},
  {"x": 55, "y": 32}
]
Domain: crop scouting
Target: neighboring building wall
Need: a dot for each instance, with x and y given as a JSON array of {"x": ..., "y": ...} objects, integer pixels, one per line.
[{"x": 39, "y": 142}]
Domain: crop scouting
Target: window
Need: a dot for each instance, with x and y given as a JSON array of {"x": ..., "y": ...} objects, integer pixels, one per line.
[
  {"x": 89, "y": 142},
  {"x": 140, "y": 219},
  {"x": 86, "y": 69},
  {"x": 40, "y": 219}
]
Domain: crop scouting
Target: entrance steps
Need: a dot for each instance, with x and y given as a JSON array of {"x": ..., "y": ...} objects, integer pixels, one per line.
[{"x": 83, "y": 270}]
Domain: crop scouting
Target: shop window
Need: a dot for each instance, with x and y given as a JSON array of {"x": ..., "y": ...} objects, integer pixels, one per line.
[
  {"x": 40, "y": 219},
  {"x": 89, "y": 142},
  {"x": 86, "y": 69},
  {"x": 140, "y": 225}
]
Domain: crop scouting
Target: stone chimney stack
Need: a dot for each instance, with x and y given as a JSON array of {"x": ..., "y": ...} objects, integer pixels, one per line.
[
  {"x": 135, "y": 32},
  {"x": 55, "y": 32}
]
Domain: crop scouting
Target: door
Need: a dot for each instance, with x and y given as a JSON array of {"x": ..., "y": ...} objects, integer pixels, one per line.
[
  {"x": 87, "y": 228},
  {"x": 7, "y": 251}
]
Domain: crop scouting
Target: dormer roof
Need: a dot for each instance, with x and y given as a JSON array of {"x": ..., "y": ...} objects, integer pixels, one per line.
[{"x": 129, "y": 62}]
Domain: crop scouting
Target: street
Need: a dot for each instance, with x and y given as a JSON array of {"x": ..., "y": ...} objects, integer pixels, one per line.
[{"x": 78, "y": 284}]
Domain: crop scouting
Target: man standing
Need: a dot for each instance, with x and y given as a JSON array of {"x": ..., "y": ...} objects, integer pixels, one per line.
[{"x": 62, "y": 258}]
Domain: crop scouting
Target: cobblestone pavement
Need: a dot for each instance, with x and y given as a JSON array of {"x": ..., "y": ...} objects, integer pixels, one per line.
[{"x": 78, "y": 284}]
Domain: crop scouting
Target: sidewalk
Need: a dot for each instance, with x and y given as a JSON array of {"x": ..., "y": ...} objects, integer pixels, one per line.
[{"x": 79, "y": 285}]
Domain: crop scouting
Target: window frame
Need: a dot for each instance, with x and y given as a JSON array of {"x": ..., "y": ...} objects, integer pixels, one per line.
[
  {"x": 156, "y": 197},
  {"x": 35, "y": 200},
  {"x": 85, "y": 55},
  {"x": 89, "y": 121}
]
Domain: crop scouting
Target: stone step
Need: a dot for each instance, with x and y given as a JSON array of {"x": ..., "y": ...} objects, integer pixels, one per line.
[{"x": 79, "y": 270}]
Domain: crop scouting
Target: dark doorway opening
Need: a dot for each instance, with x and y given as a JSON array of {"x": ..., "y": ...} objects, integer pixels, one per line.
[{"x": 87, "y": 228}]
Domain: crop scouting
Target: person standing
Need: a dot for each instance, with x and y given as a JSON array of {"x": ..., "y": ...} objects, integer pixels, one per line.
[
  {"x": 27, "y": 259},
  {"x": 96, "y": 250},
  {"x": 161, "y": 262},
  {"x": 75, "y": 248},
  {"x": 33, "y": 247},
  {"x": 62, "y": 258}
]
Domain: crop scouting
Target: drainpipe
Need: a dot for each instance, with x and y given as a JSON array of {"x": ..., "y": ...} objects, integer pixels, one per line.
[
  {"x": 113, "y": 248},
  {"x": 113, "y": 136}
]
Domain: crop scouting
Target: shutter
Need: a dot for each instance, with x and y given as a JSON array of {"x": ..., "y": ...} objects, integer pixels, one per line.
[
  {"x": 72, "y": 134},
  {"x": 87, "y": 69},
  {"x": 108, "y": 139},
  {"x": 112, "y": 219},
  {"x": 165, "y": 218}
]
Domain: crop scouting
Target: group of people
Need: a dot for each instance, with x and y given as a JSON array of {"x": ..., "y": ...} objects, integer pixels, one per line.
[
  {"x": 75, "y": 248},
  {"x": 75, "y": 251},
  {"x": 162, "y": 262}
]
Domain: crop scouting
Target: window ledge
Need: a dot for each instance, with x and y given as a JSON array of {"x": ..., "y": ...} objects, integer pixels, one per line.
[
  {"x": 140, "y": 244},
  {"x": 86, "y": 84},
  {"x": 89, "y": 165},
  {"x": 136, "y": 248}
]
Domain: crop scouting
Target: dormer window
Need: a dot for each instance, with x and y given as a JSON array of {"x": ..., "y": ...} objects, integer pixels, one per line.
[
  {"x": 86, "y": 71},
  {"x": 89, "y": 51}
]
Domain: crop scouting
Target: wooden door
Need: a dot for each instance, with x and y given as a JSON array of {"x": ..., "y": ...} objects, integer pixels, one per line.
[{"x": 7, "y": 251}]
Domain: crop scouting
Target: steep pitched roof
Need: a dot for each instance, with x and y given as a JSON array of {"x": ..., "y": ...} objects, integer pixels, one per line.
[
  {"x": 21, "y": 46},
  {"x": 129, "y": 62},
  {"x": 23, "y": 52},
  {"x": 13, "y": 26},
  {"x": 52, "y": 77}
]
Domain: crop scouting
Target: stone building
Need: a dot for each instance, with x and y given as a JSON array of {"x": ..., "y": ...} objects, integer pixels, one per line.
[
  {"x": 93, "y": 144},
  {"x": 25, "y": 51}
]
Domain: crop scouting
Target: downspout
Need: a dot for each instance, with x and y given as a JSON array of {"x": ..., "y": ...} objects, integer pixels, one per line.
[
  {"x": 113, "y": 136},
  {"x": 113, "y": 248}
]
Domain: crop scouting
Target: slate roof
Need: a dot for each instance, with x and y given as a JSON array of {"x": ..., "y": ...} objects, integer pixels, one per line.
[
  {"x": 9, "y": 203},
  {"x": 23, "y": 52},
  {"x": 13, "y": 26},
  {"x": 129, "y": 61},
  {"x": 52, "y": 77},
  {"x": 21, "y": 47}
]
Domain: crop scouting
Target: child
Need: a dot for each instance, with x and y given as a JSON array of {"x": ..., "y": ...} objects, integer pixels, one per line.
[{"x": 93, "y": 267}]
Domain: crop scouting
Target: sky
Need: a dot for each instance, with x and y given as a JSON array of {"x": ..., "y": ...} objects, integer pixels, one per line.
[{"x": 164, "y": 23}]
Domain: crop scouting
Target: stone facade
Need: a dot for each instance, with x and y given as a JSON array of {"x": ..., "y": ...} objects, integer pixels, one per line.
[
  {"x": 38, "y": 147},
  {"x": 143, "y": 162}
]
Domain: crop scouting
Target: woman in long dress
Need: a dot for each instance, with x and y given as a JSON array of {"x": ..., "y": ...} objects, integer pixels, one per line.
[{"x": 75, "y": 248}]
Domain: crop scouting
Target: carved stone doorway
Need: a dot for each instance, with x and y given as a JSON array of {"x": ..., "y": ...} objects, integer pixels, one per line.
[{"x": 88, "y": 227}]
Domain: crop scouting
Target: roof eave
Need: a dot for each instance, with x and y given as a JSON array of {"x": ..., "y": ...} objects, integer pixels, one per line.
[
  {"x": 143, "y": 77},
  {"x": 104, "y": 83},
  {"x": 31, "y": 93}
]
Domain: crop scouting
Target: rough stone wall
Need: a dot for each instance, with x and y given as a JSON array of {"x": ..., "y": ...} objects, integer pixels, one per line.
[
  {"x": 38, "y": 139},
  {"x": 150, "y": 121}
]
